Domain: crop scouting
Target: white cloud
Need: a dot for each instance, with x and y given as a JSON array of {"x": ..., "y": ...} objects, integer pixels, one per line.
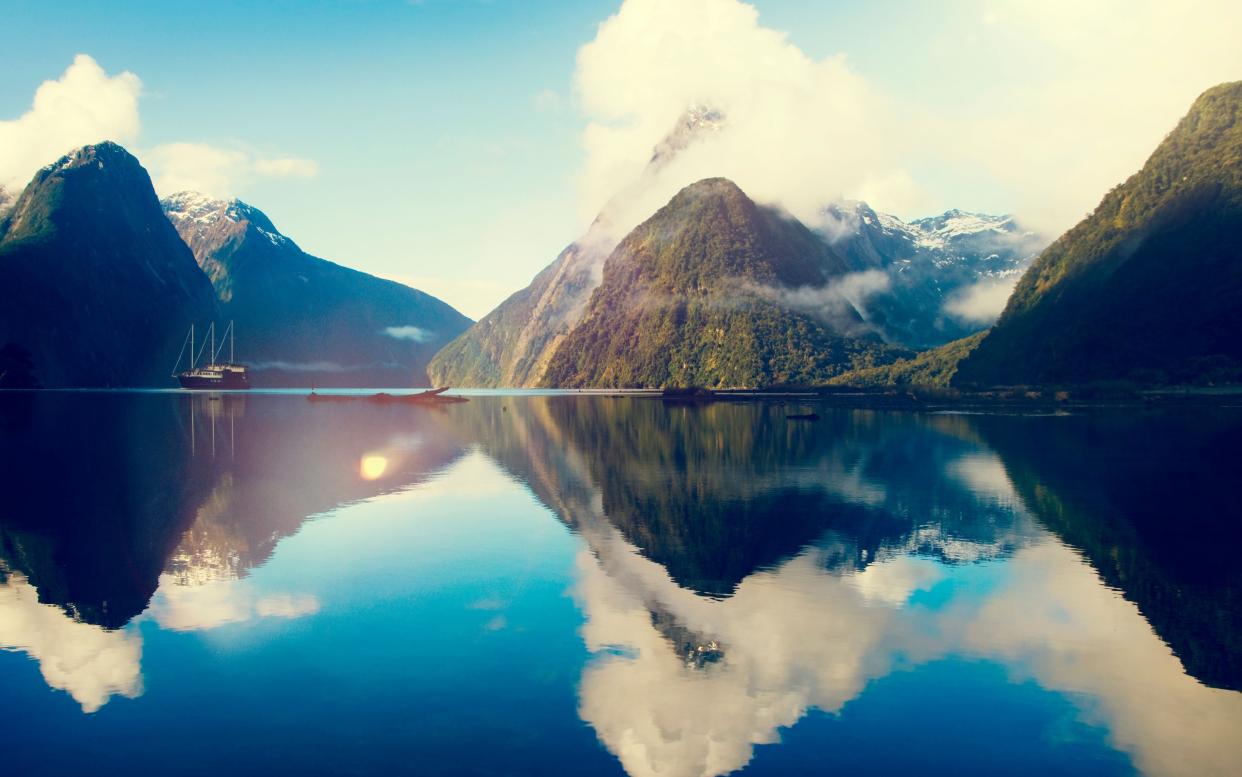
[
  {"x": 85, "y": 105},
  {"x": 415, "y": 333},
  {"x": 217, "y": 171},
  {"x": 195, "y": 167},
  {"x": 89, "y": 662},
  {"x": 1080, "y": 95},
  {"x": 982, "y": 302},
  {"x": 799, "y": 131}
]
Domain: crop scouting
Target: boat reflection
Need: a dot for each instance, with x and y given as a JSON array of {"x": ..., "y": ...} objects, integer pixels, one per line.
[{"x": 116, "y": 505}]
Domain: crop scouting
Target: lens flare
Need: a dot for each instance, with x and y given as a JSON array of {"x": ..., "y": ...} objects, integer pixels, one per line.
[{"x": 372, "y": 467}]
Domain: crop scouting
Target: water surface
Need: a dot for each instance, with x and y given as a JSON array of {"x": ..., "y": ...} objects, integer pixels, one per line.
[{"x": 596, "y": 585}]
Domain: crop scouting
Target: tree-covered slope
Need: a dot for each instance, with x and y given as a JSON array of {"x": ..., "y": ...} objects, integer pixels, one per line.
[
  {"x": 714, "y": 290},
  {"x": 97, "y": 287},
  {"x": 1149, "y": 286},
  {"x": 931, "y": 368},
  {"x": 302, "y": 320}
]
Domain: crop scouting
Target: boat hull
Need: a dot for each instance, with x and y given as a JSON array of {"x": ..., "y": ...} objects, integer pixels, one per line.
[{"x": 226, "y": 382}]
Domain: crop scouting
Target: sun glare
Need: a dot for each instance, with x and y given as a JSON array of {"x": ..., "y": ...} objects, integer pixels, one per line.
[{"x": 372, "y": 467}]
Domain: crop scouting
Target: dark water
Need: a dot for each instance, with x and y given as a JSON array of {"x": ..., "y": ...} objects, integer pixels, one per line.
[{"x": 577, "y": 585}]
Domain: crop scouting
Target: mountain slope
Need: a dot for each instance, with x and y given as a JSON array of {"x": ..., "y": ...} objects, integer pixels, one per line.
[
  {"x": 1149, "y": 286},
  {"x": 511, "y": 346},
  {"x": 714, "y": 290},
  {"x": 98, "y": 287},
  {"x": 302, "y": 320}
]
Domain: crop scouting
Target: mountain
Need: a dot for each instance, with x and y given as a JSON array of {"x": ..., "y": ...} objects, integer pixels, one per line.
[
  {"x": 98, "y": 287},
  {"x": 1149, "y": 286},
  {"x": 714, "y": 290},
  {"x": 301, "y": 320},
  {"x": 512, "y": 345},
  {"x": 948, "y": 275}
]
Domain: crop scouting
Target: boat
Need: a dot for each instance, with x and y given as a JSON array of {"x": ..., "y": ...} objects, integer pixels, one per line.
[{"x": 214, "y": 375}]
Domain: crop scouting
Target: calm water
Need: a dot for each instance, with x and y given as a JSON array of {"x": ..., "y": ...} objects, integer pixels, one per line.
[{"x": 583, "y": 585}]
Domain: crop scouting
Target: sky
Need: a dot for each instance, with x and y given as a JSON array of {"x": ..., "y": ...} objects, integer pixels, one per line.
[{"x": 459, "y": 145}]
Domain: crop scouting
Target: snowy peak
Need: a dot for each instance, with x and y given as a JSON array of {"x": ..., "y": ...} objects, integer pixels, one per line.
[
  {"x": 697, "y": 122},
  {"x": 956, "y": 224},
  {"x": 198, "y": 217}
]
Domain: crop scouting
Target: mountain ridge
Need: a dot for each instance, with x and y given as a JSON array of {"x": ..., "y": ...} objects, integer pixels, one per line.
[
  {"x": 304, "y": 320},
  {"x": 99, "y": 288}
]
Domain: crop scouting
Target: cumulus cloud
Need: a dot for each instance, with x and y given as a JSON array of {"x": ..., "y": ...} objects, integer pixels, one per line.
[
  {"x": 982, "y": 302},
  {"x": 1043, "y": 141},
  {"x": 88, "y": 662},
  {"x": 799, "y": 131},
  {"x": 85, "y": 105}
]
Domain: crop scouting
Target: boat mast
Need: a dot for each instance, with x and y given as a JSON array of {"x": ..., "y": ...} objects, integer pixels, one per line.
[
  {"x": 232, "y": 334},
  {"x": 192, "y": 359},
  {"x": 213, "y": 348}
]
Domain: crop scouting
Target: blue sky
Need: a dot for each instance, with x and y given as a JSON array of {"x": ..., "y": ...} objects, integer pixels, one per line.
[{"x": 448, "y": 138}]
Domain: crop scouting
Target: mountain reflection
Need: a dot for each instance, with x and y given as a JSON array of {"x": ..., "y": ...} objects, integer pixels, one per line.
[
  {"x": 743, "y": 570},
  {"x": 111, "y": 498},
  {"x": 738, "y": 572}
]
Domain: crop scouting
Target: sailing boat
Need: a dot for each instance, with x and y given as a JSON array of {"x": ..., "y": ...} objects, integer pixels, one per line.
[{"x": 214, "y": 374}]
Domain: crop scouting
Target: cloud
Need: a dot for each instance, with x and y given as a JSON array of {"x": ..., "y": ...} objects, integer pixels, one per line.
[
  {"x": 89, "y": 662},
  {"x": 1078, "y": 97},
  {"x": 417, "y": 334},
  {"x": 835, "y": 302},
  {"x": 799, "y": 131},
  {"x": 981, "y": 302},
  {"x": 85, "y": 105},
  {"x": 1114, "y": 77},
  {"x": 217, "y": 171}
]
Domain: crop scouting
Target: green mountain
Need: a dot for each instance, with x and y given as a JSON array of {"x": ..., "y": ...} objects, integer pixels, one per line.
[
  {"x": 1149, "y": 286},
  {"x": 301, "y": 320},
  {"x": 714, "y": 290},
  {"x": 99, "y": 289},
  {"x": 512, "y": 345}
]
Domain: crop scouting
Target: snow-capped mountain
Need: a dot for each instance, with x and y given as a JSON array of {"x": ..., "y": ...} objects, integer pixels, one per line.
[
  {"x": 302, "y": 320},
  {"x": 948, "y": 274}
]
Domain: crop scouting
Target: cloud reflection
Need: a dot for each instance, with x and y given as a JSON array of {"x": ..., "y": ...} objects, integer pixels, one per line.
[
  {"x": 89, "y": 662},
  {"x": 799, "y": 637},
  {"x": 180, "y": 607}
]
